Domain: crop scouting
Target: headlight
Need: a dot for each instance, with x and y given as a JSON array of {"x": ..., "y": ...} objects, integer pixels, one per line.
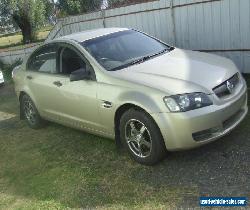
[{"x": 186, "y": 102}]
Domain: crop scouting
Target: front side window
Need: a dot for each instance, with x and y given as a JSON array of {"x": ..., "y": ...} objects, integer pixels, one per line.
[
  {"x": 121, "y": 49},
  {"x": 71, "y": 61},
  {"x": 43, "y": 60}
]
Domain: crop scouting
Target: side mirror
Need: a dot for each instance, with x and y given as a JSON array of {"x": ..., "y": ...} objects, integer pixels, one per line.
[{"x": 80, "y": 74}]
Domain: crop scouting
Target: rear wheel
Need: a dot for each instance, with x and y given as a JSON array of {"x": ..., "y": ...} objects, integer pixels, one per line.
[
  {"x": 30, "y": 113},
  {"x": 142, "y": 137}
]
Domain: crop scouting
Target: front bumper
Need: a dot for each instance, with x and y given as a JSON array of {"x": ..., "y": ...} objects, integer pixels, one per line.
[{"x": 191, "y": 129}]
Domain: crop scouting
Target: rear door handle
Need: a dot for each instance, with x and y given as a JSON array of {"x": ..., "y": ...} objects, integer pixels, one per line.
[
  {"x": 57, "y": 83},
  {"x": 29, "y": 77}
]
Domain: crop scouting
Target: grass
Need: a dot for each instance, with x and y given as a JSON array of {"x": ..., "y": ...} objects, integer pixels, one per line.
[
  {"x": 14, "y": 41},
  {"x": 60, "y": 168},
  {"x": 11, "y": 40}
]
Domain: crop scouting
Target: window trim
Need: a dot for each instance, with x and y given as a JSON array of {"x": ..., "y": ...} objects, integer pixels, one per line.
[
  {"x": 59, "y": 45},
  {"x": 35, "y": 51},
  {"x": 62, "y": 46}
]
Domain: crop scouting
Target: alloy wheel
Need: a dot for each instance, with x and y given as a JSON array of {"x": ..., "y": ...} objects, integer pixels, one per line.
[
  {"x": 138, "y": 138},
  {"x": 29, "y": 111}
]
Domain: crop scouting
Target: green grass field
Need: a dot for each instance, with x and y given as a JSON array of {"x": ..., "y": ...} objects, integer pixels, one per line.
[
  {"x": 60, "y": 168},
  {"x": 14, "y": 41}
]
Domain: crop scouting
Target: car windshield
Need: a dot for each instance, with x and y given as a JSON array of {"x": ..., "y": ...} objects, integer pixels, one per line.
[{"x": 122, "y": 49}]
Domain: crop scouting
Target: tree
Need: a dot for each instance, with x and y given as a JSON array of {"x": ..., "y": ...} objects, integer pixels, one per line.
[
  {"x": 121, "y": 3},
  {"x": 6, "y": 25},
  {"x": 73, "y": 7},
  {"x": 5, "y": 20},
  {"x": 29, "y": 15},
  {"x": 50, "y": 10}
]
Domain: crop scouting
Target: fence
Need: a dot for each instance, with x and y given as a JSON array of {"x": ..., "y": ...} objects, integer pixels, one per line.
[
  {"x": 11, "y": 56},
  {"x": 216, "y": 26}
]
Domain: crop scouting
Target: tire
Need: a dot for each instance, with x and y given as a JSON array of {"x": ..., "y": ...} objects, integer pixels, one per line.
[
  {"x": 142, "y": 137},
  {"x": 30, "y": 113}
]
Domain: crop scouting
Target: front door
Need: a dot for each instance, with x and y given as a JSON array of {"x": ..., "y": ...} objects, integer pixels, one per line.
[{"x": 76, "y": 101}]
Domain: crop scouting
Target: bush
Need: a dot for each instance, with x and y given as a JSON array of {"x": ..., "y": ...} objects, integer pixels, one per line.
[{"x": 8, "y": 68}]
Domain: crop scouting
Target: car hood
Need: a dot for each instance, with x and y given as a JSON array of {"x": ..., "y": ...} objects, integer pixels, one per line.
[{"x": 180, "y": 71}]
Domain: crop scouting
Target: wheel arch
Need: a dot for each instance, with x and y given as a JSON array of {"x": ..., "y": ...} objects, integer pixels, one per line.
[
  {"x": 119, "y": 112},
  {"x": 21, "y": 94}
]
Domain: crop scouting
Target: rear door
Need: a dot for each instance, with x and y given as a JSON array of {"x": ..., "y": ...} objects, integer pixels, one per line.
[{"x": 40, "y": 76}]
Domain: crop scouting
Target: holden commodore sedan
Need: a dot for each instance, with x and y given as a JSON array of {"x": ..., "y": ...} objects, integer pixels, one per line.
[{"x": 126, "y": 85}]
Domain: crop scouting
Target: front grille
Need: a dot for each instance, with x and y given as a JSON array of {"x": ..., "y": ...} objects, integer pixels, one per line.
[{"x": 227, "y": 87}]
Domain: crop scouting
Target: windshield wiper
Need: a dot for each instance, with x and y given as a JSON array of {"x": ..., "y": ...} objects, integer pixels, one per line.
[
  {"x": 127, "y": 64},
  {"x": 141, "y": 60},
  {"x": 153, "y": 55}
]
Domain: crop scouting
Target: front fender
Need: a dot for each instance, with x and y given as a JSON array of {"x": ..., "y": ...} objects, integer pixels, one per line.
[
  {"x": 150, "y": 100},
  {"x": 146, "y": 102}
]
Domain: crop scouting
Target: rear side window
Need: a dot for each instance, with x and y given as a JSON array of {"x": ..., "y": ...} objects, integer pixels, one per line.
[{"x": 44, "y": 60}]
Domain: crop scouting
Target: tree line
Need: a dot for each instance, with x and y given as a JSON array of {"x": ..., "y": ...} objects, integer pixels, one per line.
[{"x": 30, "y": 15}]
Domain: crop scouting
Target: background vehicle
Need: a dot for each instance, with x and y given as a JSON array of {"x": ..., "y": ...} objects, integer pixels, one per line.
[
  {"x": 1, "y": 78},
  {"x": 126, "y": 85}
]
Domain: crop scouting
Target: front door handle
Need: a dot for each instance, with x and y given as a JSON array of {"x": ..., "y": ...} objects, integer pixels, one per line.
[
  {"x": 57, "y": 83},
  {"x": 106, "y": 104},
  {"x": 29, "y": 77}
]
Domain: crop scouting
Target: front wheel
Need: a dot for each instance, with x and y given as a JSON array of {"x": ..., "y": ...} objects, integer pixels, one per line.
[
  {"x": 142, "y": 137},
  {"x": 30, "y": 112}
]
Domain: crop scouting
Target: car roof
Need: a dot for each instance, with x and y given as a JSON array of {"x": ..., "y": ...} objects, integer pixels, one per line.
[{"x": 90, "y": 34}]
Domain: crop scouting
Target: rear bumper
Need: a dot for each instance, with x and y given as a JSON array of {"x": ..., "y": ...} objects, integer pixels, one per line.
[{"x": 198, "y": 127}]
